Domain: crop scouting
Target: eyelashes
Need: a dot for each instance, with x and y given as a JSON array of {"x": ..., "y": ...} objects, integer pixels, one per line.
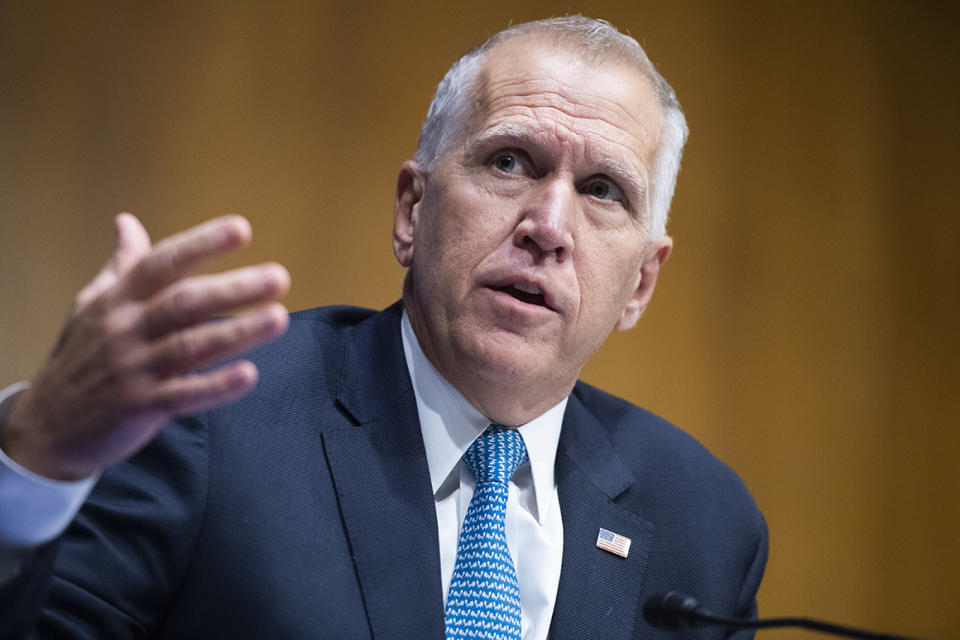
[{"x": 514, "y": 162}]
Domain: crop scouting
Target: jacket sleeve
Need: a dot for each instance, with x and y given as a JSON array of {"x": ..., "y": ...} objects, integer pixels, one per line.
[
  {"x": 25, "y": 576},
  {"x": 747, "y": 600},
  {"x": 119, "y": 564}
]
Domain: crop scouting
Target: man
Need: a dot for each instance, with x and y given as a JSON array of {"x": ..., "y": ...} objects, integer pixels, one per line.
[{"x": 329, "y": 501}]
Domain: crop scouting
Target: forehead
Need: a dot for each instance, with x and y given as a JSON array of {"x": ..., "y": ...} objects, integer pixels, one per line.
[{"x": 591, "y": 104}]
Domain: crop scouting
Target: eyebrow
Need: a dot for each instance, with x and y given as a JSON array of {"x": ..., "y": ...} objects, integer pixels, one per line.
[{"x": 634, "y": 183}]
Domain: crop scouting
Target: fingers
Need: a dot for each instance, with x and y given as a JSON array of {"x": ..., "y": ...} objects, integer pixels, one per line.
[
  {"x": 200, "y": 298},
  {"x": 177, "y": 256},
  {"x": 191, "y": 394},
  {"x": 133, "y": 244},
  {"x": 192, "y": 348}
]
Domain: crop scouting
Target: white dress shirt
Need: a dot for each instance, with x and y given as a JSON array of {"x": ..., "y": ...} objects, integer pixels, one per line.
[
  {"x": 534, "y": 529},
  {"x": 34, "y": 509}
]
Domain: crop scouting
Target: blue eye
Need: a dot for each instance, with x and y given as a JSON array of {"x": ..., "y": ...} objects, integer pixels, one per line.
[
  {"x": 603, "y": 189},
  {"x": 598, "y": 189},
  {"x": 506, "y": 162}
]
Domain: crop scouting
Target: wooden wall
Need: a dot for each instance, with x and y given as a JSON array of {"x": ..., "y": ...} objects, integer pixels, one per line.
[{"x": 806, "y": 328}]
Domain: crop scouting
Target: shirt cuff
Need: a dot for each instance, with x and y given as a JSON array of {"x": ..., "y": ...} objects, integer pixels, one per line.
[{"x": 34, "y": 509}]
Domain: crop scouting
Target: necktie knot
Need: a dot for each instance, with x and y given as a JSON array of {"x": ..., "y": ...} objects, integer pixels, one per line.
[{"x": 496, "y": 454}]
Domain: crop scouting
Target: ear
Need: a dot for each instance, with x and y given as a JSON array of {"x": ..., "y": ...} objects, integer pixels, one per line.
[
  {"x": 656, "y": 254},
  {"x": 406, "y": 206}
]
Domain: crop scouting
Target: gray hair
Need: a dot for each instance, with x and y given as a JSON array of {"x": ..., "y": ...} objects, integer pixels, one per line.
[{"x": 448, "y": 112}]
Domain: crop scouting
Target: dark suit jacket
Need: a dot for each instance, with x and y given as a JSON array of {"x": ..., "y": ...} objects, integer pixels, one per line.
[{"x": 305, "y": 511}]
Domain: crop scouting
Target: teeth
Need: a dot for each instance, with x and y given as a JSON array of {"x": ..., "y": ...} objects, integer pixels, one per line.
[{"x": 527, "y": 288}]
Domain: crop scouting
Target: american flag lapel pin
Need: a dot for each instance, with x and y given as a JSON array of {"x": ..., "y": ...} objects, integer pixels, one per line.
[{"x": 613, "y": 542}]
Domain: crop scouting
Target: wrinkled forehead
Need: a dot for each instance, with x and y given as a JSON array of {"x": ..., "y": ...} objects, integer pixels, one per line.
[{"x": 601, "y": 95}]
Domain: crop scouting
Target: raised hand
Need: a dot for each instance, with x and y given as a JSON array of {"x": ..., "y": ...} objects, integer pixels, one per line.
[{"x": 127, "y": 358}]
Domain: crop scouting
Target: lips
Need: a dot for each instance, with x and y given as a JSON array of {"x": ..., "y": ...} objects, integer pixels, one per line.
[
  {"x": 530, "y": 295},
  {"x": 525, "y": 291}
]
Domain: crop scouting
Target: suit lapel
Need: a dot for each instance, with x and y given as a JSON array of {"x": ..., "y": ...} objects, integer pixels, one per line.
[
  {"x": 599, "y": 591},
  {"x": 381, "y": 476},
  {"x": 383, "y": 484}
]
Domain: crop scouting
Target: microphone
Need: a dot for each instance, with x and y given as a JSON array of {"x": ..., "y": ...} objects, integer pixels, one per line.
[{"x": 675, "y": 610}]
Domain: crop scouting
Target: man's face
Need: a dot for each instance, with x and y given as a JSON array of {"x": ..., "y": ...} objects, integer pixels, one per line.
[{"x": 529, "y": 241}]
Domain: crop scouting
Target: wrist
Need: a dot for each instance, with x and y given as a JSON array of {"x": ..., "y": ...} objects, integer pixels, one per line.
[
  {"x": 9, "y": 397},
  {"x": 20, "y": 440}
]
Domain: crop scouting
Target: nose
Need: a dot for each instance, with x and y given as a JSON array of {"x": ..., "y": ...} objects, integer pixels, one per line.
[{"x": 547, "y": 221}]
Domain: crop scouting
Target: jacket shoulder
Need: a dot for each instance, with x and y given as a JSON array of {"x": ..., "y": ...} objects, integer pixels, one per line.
[
  {"x": 312, "y": 345},
  {"x": 662, "y": 454}
]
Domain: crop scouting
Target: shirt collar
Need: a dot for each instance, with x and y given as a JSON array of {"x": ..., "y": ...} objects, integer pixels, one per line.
[{"x": 449, "y": 425}]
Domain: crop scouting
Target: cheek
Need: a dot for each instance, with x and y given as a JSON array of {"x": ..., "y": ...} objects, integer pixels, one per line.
[
  {"x": 608, "y": 279},
  {"x": 449, "y": 242},
  {"x": 471, "y": 223}
]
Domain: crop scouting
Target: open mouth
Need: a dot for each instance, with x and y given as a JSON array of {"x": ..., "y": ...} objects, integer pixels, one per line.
[{"x": 524, "y": 293}]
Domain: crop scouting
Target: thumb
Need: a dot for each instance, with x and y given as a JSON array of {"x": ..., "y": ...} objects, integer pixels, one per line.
[{"x": 133, "y": 244}]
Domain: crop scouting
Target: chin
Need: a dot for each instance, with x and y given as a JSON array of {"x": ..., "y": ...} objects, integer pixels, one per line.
[{"x": 509, "y": 361}]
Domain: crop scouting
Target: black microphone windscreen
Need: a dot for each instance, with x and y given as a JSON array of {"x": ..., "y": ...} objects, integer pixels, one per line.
[{"x": 673, "y": 610}]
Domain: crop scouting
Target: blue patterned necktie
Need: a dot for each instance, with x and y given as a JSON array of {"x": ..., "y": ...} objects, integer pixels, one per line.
[{"x": 484, "y": 597}]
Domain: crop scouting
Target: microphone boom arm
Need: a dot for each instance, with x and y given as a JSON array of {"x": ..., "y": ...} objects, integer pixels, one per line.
[{"x": 676, "y": 610}]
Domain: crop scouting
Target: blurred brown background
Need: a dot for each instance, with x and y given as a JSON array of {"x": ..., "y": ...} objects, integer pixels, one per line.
[{"x": 806, "y": 328}]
